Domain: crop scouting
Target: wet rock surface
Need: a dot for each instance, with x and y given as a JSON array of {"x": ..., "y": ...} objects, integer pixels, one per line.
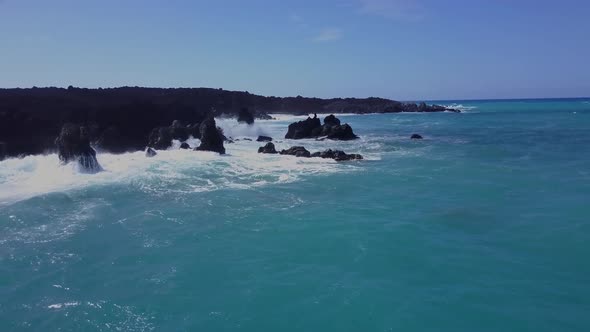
[
  {"x": 264, "y": 139},
  {"x": 73, "y": 145},
  {"x": 149, "y": 152},
  {"x": 268, "y": 148},
  {"x": 337, "y": 155},
  {"x": 297, "y": 151},
  {"x": 211, "y": 137},
  {"x": 312, "y": 128}
]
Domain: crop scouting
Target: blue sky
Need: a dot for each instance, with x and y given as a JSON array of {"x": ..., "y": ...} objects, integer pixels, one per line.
[{"x": 401, "y": 49}]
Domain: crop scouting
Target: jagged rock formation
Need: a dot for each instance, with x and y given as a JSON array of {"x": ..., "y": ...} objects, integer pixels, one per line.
[
  {"x": 149, "y": 152},
  {"x": 308, "y": 128},
  {"x": 245, "y": 116},
  {"x": 339, "y": 132},
  {"x": 211, "y": 137},
  {"x": 300, "y": 151},
  {"x": 312, "y": 128},
  {"x": 337, "y": 155},
  {"x": 161, "y": 138},
  {"x": 268, "y": 148},
  {"x": 73, "y": 145},
  {"x": 297, "y": 151},
  {"x": 331, "y": 120}
]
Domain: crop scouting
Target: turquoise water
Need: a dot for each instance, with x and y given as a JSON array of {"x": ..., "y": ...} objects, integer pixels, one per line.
[{"x": 482, "y": 226}]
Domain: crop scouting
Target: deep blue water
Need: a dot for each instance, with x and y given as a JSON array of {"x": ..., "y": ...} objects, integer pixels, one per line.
[{"x": 482, "y": 226}]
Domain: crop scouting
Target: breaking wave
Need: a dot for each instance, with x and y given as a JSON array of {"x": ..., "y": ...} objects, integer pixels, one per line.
[
  {"x": 461, "y": 107},
  {"x": 176, "y": 171}
]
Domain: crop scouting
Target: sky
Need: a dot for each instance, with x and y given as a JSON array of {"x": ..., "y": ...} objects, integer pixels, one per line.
[{"x": 399, "y": 49}]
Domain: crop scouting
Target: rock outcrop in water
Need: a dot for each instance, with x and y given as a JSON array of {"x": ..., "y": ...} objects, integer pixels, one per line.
[
  {"x": 308, "y": 128},
  {"x": 339, "y": 132},
  {"x": 337, "y": 155},
  {"x": 149, "y": 152},
  {"x": 268, "y": 148},
  {"x": 300, "y": 151},
  {"x": 416, "y": 136},
  {"x": 331, "y": 120},
  {"x": 264, "y": 139},
  {"x": 161, "y": 138},
  {"x": 73, "y": 145},
  {"x": 297, "y": 151},
  {"x": 211, "y": 137},
  {"x": 185, "y": 146},
  {"x": 245, "y": 116},
  {"x": 312, "y": 128}
]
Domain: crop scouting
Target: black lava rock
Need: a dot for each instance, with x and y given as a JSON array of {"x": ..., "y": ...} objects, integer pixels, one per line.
[
  {"x": 179, "y": 130},
  {"x": 245, "y": 116},
  {"x": 297, "y": 151},
  {"x": 211, "y": 137},
  {"x": 268, "y": 148},
  {"x": 337, "y": 155},
  {"x": 312, "y": 128},
  {"x": 264, "y": 139},
  {"x": 73, "y": 144},
  {"x": 160, "y": 138},
  {"x": 149, "y": 152},
  {"x": 193, "y": 130},
  {"x": 111, "y": 140},
  {"x": 331, "y": 120},
  {"x": 416, "y": 136},
  {"x": 304, "y": 129},
  {"x": 341, "y": 132},
  {"x": 3, "y": 151}
]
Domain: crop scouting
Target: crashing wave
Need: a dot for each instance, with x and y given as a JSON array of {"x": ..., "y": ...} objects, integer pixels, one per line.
[
  {"x": 461, "y": 107},
  {"x": 178, "y": 172}
]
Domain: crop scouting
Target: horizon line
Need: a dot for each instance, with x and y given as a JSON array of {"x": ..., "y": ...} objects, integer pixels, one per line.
[{"x": 264, "y": 95}]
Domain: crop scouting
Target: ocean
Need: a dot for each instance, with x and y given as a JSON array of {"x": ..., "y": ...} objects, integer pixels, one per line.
[{"x": 484, "y": 225}]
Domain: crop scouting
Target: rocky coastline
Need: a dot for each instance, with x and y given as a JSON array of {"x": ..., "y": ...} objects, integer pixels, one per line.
[{"x": 74, "y": 121}]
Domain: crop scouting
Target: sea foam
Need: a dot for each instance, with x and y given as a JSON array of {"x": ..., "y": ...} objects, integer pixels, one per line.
[{"x": 176, "y": 171}]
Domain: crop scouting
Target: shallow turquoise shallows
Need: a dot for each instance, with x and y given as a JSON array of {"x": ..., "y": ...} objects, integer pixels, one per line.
[{"x": 484, "y": 225}]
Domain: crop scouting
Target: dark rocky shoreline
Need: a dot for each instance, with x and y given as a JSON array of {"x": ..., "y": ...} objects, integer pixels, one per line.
[{"x": 130, "y": 118}]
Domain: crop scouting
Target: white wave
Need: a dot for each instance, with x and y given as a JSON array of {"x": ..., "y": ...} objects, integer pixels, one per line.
[
  {"x": 62, "y": 305},
  {"x": 61, "y": 287},
  {"x": 461, "y": 107},
  {"x": 232, "y": 128},
  {"x": 193, "y": 142},
  {"x": 118, "y": 317},
  {"x": 176, "y": 171},
  {"x": 171, "y": 171}
]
